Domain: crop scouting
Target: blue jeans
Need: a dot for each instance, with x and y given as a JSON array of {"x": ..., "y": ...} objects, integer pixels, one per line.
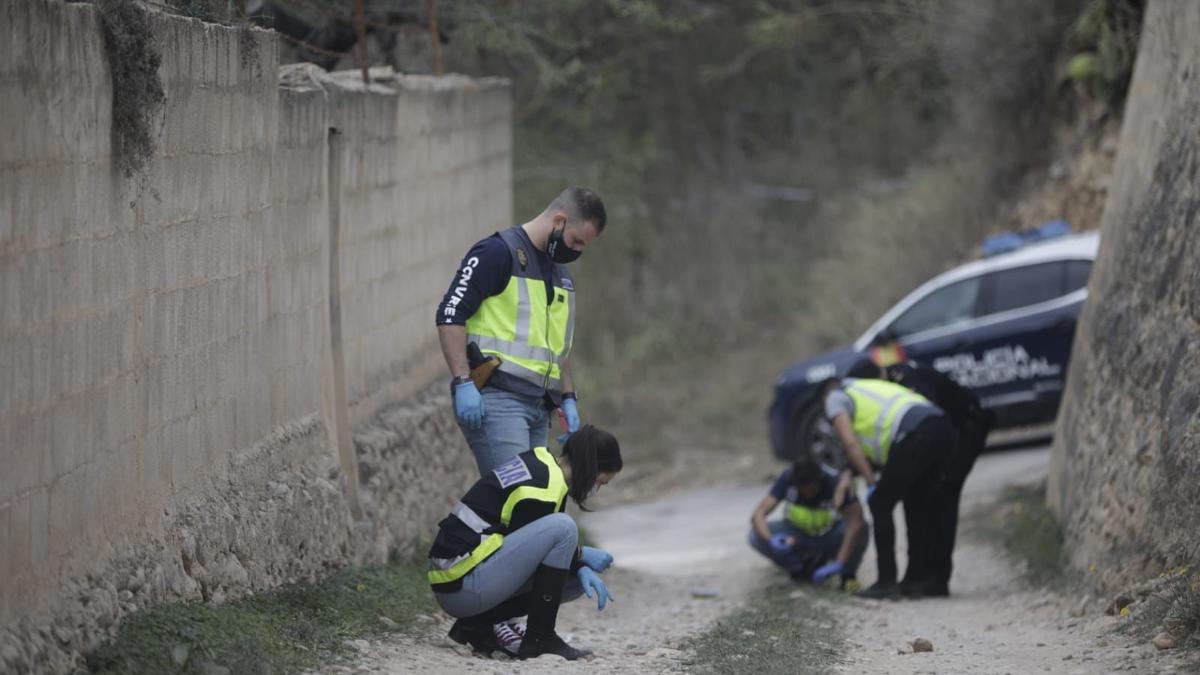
[
  {"x": 512, "y": 424},
  {"x": 549, "y": 540},
  {"x": 810, "y": 552}
]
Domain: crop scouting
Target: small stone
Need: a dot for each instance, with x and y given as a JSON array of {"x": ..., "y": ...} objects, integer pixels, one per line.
[
  {"x": 701, "y": 592},
  {"x": 1080, "y": 609},
  {"x": 179, "y": 654},
  {"x": 748, "y": 633},
  {"x": 1119, "y": 603},
  {"x": 388, "y": 623},
  {"x": 1164, "y": 640},
  {"x": 1068, "y": 657},
  {"x": 921, "y": 645}
]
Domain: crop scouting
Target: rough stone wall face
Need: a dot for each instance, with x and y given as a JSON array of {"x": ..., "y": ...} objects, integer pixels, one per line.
[
  {"x": 1125, "y": 475},
  {"x": 166, "y": 421}
]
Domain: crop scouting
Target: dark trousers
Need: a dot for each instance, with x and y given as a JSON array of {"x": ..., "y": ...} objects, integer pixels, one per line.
[
  {"x": 912, "y": 475},
  {"x": 972, "y": 437}
]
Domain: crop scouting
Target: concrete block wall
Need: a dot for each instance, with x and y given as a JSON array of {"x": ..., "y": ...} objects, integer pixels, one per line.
[
  {"x": 165, "y": 342},
  {"x": 433, "y": 155},
  {"x": 1125, "y": 471}
]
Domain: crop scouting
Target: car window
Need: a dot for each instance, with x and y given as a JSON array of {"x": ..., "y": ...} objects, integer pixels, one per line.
[
  {"x": 1023, "y": 286},
  {"x": 942, "y": 307},
  {"x": 1077, "y": 274}
]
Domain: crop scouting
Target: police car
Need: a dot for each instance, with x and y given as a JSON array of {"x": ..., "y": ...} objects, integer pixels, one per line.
[{"x": 1002, "y": 326}]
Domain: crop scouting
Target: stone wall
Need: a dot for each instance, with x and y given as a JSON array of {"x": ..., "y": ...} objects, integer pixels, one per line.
[
  {"x": 179, "y": 369},
  {"x": 1125, "y": 474}
]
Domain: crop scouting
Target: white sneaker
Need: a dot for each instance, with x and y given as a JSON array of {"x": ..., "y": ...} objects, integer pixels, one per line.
[{"x": 509, "y": 637}]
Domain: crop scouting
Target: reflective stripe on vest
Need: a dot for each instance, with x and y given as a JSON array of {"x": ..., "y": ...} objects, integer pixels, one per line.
[
  {"x": 879, "y": 406},
  {"x": 532, "y": 338},
  {"x": 554, "y": 492},
  {"x": 813, "y": 522},
  {"x": 445, "y": 570},
  {"x": 457, "y": 568}
]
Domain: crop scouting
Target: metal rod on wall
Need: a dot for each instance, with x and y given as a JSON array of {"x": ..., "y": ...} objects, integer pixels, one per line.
[
  {"x": 434, "y": 36},
  {"x": 360, "y": 26}
]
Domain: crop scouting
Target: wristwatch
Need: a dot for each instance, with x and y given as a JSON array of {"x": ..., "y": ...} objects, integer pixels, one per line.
[{"x": 461, "y": 379}]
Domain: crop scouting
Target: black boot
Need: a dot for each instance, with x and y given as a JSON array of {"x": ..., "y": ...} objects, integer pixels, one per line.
[
  {"x": 475, "y": 632},
  {"x": 540, "y": 637},
  {"x": 880, "y": 591}
]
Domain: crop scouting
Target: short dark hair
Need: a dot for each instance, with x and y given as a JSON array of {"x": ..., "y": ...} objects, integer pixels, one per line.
[
  {"x": 865, "y": 369},
  {"x": 591, "y": 452},
  {"x": 581, "y": 204},
  {"x": 806, "y": 471}
]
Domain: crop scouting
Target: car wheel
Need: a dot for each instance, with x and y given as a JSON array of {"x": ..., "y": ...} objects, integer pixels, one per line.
[{"x": 813, "y": 436}]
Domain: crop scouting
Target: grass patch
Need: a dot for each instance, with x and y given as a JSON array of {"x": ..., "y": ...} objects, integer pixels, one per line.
[
  {"x": 1170, "y": 603},
  {"x": 778, "y": 633},
  {"x": 1030, "y": 534},
  {"x": 282, "y": 631}
]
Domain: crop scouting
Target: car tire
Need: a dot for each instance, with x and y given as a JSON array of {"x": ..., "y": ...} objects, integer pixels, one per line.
[{"x": 811, "y": 436}]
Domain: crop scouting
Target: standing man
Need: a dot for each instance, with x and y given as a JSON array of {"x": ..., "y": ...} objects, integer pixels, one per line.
[
  {"x": 884, "y": 426},
  {"x": 514, "y": 298},
  {"x": 972, "y": 422}
]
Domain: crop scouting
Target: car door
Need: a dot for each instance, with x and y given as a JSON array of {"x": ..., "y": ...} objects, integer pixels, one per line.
[
  {"x": 936, "y": 326},
  {"x": 1022, "y": 345}
]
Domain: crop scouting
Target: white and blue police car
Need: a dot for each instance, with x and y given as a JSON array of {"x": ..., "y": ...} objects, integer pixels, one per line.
[{"x": 1002, "y": 325}]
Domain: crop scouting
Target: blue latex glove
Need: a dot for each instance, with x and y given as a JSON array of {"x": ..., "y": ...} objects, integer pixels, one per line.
[
  {"x": 595, "y": 558},
  {"x": 468, "y": 405},
  {"x": 591, "y": 582},
  {"x": 571, "y": 410},
  {"x": 827, "y": 570},
  {"x": 780, "y": 542}
]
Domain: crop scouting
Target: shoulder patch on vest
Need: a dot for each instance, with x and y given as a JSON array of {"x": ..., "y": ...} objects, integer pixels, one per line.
[
  {"x": 522, "y": 259},
  {"x": 511, "y": 472}
]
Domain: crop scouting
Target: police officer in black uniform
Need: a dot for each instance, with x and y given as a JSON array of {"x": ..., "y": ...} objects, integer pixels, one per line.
[{"x": 972, "y": 422}]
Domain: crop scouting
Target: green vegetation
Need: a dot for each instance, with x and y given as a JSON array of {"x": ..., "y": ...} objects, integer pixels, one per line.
[
  {"x": 1171, "y": 604},
  {"x": 138, "y": 95},
  {"x": 1031, "y": 535},
  {"x": 1106, "y": 37},
  {"x": 786, "y": 630},
  {"x": 282, "y": 631}
]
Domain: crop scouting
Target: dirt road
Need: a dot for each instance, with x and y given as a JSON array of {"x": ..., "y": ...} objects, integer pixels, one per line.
[{"x": 682, "y": 563}]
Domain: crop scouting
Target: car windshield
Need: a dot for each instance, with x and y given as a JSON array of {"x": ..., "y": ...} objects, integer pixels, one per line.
[{"x": 943, "y": 307}]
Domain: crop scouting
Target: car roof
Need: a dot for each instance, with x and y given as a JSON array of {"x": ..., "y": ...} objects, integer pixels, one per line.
[{"x": 1082, "y": 246}]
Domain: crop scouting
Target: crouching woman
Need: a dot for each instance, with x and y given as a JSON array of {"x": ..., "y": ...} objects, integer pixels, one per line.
[{"x": 507, "y": 549}]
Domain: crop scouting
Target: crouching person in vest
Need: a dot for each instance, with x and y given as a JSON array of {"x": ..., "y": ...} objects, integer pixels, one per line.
[
  {"x": 507, "y": 549},
  {"x": 822, "y": 534},
  {"x": 886, "y": 427},
  {"x": 514, "y": 298}
]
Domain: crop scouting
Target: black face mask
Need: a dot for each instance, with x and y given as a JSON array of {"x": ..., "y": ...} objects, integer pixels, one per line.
[{"x": 558, "y": 250}]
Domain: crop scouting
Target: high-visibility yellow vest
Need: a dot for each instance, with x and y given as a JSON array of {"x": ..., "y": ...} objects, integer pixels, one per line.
[
  {"x": 554, "y": 492},
  {"x": 531, "y": 336},
  {"x": 879, "y": 406},
  {"x": 811, "y": 521}
]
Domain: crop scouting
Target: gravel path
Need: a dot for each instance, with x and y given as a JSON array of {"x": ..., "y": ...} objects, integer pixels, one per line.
[
  {"x": 992, "y": 623},
  {"x": 682, "y": 563}
]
